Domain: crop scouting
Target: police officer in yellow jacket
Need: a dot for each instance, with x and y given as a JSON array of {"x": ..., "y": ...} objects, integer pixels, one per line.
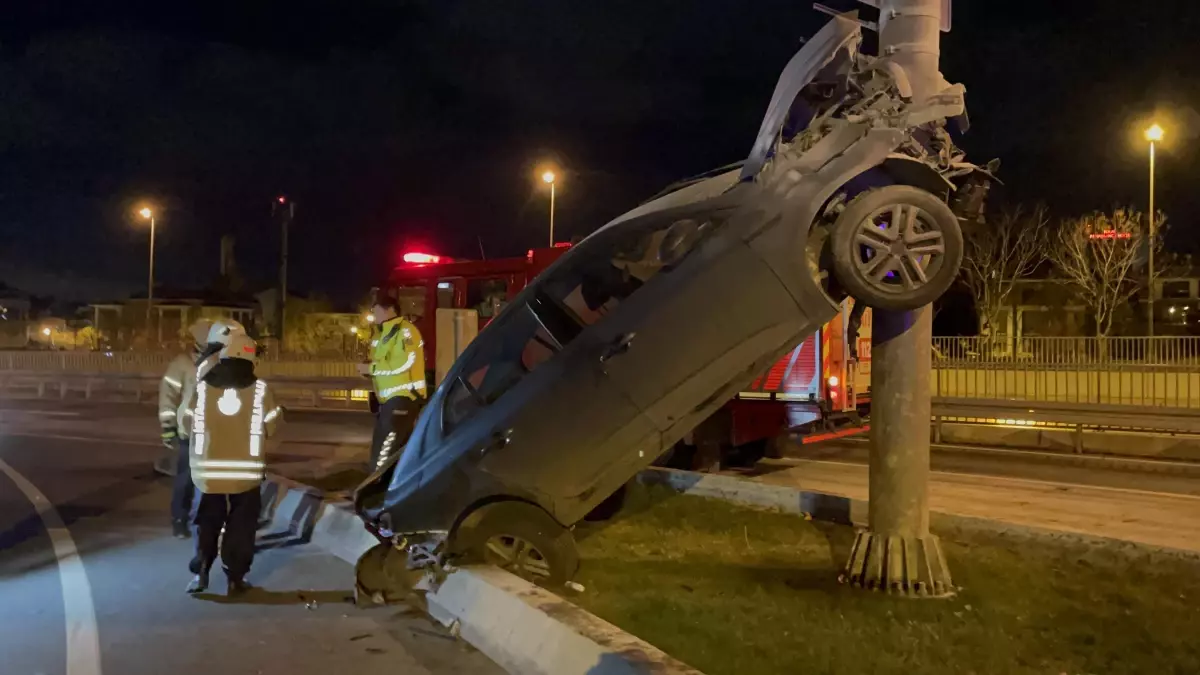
[
  {"x": 233, "y": 415},
  {"x": 178, "y": 381},
  {"x": 398, "y": 369}
]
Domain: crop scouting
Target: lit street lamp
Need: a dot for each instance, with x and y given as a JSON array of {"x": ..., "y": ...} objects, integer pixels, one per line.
[
  {"x": 1154, "y": 135},
  {"x": 147, "y": 213},
  {"x": 549, "y": 177}
]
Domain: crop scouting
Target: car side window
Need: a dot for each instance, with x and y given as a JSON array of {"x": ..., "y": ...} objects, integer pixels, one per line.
[
  {"x": 527, "y": 339},
  {"x": 618, "y": 264}
]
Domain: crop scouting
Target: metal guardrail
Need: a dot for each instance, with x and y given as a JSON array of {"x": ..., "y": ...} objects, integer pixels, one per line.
[
  {"x": 332, "y": 393},
  {"x": 1107, "y": 371},
  {"x": 1110, "y": 352},
  {"x": 155, "y": 363},
  {"x": 1074, "y": 417}
]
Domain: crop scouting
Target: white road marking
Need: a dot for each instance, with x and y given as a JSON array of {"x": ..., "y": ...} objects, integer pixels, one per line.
[{"x": 83, "y": 636}]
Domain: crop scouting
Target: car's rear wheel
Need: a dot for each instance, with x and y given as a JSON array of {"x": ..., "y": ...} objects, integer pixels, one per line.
[
  {"x": 522, "y": 539},
  {"x": 897, "y": 247}
]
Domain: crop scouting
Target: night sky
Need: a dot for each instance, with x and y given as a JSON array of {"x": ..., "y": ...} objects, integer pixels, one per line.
[{"x": 418, "y": 124}]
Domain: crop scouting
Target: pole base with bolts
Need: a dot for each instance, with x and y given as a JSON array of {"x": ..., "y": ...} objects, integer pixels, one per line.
[{"x": 909, "y": 566}]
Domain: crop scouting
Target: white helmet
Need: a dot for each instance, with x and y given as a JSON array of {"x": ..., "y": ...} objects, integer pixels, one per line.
[
  {"x": 240, "y": 346},
  {"x": 223, "y": 331}
]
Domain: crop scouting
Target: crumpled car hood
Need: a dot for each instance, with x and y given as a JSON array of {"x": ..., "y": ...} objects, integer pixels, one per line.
[{"x": 865, "y": 92}]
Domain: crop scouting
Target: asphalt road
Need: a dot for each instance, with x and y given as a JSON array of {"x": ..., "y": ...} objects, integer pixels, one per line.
[
  {"x": 1148, "y": 502},
  {"x": 1128, "y": 474},
  {"x": 92, "y": 583}
]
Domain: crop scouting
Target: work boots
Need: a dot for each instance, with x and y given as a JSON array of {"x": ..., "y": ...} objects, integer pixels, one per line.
[
  {"x": 237, "y": 586},
  {"x": 199, "y": 583}
]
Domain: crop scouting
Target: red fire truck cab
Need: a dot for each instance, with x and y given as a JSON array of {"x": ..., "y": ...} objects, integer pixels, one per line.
[
  {"x": 425, "y": 283},
  {"x": 816, "y": 391}
]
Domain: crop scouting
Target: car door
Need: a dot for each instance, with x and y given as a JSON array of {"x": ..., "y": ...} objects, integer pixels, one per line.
[
  {"x": 687, "y": 309},
  {"x": 532, "y": 402}
]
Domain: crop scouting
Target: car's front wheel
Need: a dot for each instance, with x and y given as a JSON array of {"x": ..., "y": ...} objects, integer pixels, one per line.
[
  {"x": 522, "y": 539},
  {"x": 896, "y": 248}
]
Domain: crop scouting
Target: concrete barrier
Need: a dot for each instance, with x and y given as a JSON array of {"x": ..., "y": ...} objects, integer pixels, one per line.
[{"x": 525, "y": 629}]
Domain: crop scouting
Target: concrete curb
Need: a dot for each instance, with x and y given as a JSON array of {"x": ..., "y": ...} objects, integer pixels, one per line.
[
  {"x": 847, "y": 511},
  {"x": 815, "y": 505},
  {"x": 525, "y": 629}
]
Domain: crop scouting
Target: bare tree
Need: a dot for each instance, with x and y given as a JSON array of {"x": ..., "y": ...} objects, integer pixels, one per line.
[
  {"x": 1101, "y": 256},
  {"x": 999, "y": 253}
]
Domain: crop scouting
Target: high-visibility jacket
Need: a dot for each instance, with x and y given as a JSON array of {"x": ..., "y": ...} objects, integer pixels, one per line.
[
  {"x": 398, "y": 361},
  {"x": 176, "y": 384},
  {"x": 230, "y": 428}
]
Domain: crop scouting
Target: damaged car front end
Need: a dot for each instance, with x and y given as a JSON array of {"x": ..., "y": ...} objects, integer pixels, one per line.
[{"x": 851, "y": 188}]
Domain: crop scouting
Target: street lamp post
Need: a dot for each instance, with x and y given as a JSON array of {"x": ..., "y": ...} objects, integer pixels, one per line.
[
  {"x": 147, "y": 213},
  {"x": 550, "y": 178},
  {"x": 1154, "y": 134}
]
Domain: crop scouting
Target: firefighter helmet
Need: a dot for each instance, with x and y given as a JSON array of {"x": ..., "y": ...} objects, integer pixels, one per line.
[
  {"x": 223, "y": 331},
  {"x": 240, "y": 346},
  {"x": 199, "y": 332}
]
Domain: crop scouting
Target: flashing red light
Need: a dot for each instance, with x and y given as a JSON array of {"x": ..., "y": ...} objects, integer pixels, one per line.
[
  {"x": 563, "y": 244},
  {"x": 282, "y": 200},
  {"x": 414, "y": 258}
]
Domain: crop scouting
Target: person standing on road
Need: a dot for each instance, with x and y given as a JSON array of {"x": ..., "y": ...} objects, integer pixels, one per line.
[
  {"x": 176, "y": 384},
  {"x": 233, "y": 416},
  {"x": 398, "y": 369}
]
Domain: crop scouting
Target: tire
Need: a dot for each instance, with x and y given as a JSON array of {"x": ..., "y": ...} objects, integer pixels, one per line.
[
  {"x": 520, "y": 538},
  {"x": 883, "y": 266}
]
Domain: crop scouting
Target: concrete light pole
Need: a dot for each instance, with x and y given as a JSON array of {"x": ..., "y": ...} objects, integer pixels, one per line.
[
  {"x": 897, "y": 553},
  {"x": 148, "y": 213},
  {"x": 287, "y": 210},
  {"x": 1154, "y": 135}
]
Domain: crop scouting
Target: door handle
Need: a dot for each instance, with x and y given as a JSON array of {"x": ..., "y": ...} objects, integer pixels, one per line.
[
  {"x": 618, "y": 346},
  {"x": 499, "y": 440}
]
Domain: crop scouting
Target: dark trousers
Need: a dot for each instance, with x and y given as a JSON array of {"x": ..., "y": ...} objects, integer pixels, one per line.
[
  {"x": 238, "y": 514},
  {"x": 396, "y": 418},
  {"x": 182, "y": 491}
]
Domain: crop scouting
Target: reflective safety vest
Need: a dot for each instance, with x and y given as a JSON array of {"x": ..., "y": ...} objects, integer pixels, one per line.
[
  {"x": 229, "y": 432},
  {"x": 398, "y": 361}
]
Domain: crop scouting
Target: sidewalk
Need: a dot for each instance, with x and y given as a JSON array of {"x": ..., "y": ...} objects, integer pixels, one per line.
[{"x": 1155, "y": 518}]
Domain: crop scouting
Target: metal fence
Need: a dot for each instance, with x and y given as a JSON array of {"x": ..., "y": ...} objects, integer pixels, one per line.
[
  {"x": 155, "y": 363},
  {"x": 1120, "y": 370}
]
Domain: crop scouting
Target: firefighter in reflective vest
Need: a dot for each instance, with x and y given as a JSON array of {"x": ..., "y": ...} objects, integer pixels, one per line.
[
  {"x": 233, "y": 415},
  {"x": 398, "y": 369},
  {"x": 180, "y": 379}
]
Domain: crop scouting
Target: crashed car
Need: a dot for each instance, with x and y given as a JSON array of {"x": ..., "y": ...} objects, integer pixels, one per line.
[{"x": 646, "y": 327}]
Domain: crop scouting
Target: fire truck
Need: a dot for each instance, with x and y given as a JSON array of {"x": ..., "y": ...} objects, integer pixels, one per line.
[{"x": 817, "y": 391}]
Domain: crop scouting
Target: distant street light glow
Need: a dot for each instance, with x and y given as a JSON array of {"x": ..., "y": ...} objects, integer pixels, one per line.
[
  {"x": 146, "y": 213},
  {"x": 1155, "y": 133},
  {"x": 548, "y": 177},
  {"x": 46, "y": 332},
  {"x": 370, "y": 318},
  {"x": 354, "y": 330}
]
